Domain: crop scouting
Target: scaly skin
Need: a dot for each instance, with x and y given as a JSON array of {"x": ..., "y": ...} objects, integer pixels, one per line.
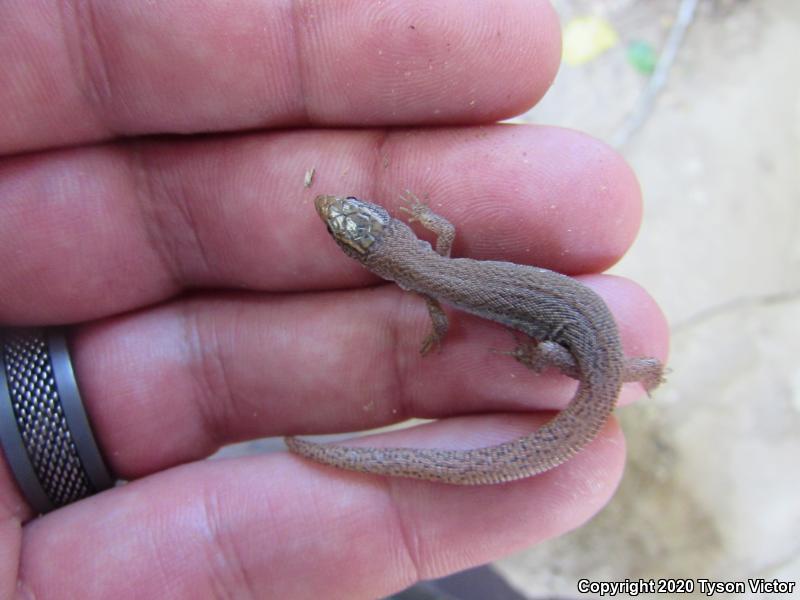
[{"x": 572, "y": 325}]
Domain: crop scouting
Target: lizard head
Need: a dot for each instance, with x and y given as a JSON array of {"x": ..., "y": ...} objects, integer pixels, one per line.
[{"x": 355, "y": 224}]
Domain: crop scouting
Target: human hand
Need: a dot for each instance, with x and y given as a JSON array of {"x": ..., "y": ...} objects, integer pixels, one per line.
[{"x": 212, "y": 307}]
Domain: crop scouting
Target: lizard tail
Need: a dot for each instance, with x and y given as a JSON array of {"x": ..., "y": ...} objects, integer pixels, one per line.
[{"x": 552, "y": 444}]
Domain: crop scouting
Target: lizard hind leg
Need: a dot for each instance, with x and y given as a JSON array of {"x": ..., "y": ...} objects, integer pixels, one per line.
[
  {"x": 538, "y": 356},
  {"x": 647, "y": 371},
  {"x": 440, "y": 325}
]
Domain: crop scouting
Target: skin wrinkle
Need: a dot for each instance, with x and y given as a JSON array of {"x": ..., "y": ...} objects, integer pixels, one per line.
[
  {"x": 215, "y": 357},
  {"x": 407, "y": 532},
  {"x": 89, "y": 61},
  {"x": 155, "y": 227},
  {"x": 298, "y": 24},
  {"x": 162, "y": 205},
  {"x": 185, "y": 209},
  {"x": 92, "y": 82},
  {"x": 379, "y": 151},
  {"x": 402, "y": 400},
  {"x": 221, "y": 358},
  {"x": 216, "y": 376},
  {"x": 210, "y": 396},
  {"x": 229, "y": 579},
  {"x": 100, "y": 75}
]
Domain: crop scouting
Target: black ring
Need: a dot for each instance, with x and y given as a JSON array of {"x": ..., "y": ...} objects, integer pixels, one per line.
[{"x": 44, "y": 429}]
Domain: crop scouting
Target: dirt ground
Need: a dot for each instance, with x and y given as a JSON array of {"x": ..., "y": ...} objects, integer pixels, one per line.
[{"x": 712, "y": 487}]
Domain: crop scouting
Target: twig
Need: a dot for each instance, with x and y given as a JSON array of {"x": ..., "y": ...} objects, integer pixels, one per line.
[
  {"x": 646, "y": 101},
  {"x": 734, "y": 305}
]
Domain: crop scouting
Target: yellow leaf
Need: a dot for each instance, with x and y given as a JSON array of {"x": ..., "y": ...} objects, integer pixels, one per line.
[{"x": 585, "y": 38}]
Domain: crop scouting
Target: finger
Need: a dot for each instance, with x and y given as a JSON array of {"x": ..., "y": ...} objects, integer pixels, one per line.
[
  {"x": 275, "y": 526},
  {"x": 171, "y": 385},
  {"x": 85, "y": 71},
  {"x": 95, "y": 231}
]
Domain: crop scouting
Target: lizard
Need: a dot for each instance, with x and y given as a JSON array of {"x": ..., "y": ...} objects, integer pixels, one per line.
[{"x": 566, "y": 324}]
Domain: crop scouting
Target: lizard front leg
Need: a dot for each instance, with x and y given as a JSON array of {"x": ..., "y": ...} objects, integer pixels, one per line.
[
  {"x": 421, "y": 213},
  {"x": 445, "y": 235}
]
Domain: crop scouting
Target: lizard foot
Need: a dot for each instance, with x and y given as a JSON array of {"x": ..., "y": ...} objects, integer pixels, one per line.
[
  {"x": 432, "y": 342},
  {"x": 538, "y": 356},
  {"x": 418, "y": 211}
]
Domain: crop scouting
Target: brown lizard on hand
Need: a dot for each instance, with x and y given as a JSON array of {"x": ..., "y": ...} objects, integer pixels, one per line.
[{"x": 571, "y": 325}]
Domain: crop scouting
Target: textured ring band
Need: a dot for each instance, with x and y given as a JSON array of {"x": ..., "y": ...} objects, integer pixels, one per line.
[{"x": 44, "y": 430}]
